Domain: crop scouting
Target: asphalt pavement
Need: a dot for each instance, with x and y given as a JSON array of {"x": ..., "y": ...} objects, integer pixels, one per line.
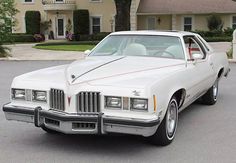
[{"x": 204, "y": 134}]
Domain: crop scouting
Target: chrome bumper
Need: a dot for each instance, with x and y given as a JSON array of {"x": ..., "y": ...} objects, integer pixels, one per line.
[{"x": 81, "y": 123}]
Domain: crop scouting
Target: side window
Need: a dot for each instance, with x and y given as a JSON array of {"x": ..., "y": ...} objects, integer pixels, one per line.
[{"x": 192, "y": 47}]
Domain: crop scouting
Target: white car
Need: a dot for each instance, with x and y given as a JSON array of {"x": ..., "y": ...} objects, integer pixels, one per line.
[{"x": 132, "y": 82}]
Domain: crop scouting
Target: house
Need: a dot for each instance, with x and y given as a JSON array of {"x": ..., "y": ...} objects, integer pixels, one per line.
[
  {"x": 183, "y": 14},
  {"x": 144, "y": 14},
  {"x": 60, "y": 12}
]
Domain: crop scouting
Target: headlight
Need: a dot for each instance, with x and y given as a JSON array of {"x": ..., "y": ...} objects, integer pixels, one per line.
[
  {"x": 39, "y": 96},
  {"x": 138, "y": 104},
  {"x": 113, "y": 102},
  {"x": 18, "y": 94}
]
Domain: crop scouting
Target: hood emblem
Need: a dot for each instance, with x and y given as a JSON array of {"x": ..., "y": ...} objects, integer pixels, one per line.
[
  {"x": 69, "y": 100},
  {"x": 136, "y": 93},
  {"x": 72, "y": 76}
]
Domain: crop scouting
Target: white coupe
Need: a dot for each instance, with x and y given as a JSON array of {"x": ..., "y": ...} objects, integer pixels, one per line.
[{"x": 132, "y": 82}]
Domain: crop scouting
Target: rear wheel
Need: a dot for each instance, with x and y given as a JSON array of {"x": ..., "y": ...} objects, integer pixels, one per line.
[
  {"x": 166, "y": 131},
  {"x": 210, "y": 97}
]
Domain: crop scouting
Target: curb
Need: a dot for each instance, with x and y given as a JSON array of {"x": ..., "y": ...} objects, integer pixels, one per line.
[{"x": 232, "y": 60}]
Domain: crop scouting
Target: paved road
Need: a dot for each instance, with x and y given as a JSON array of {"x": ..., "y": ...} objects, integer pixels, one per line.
[{"x": 205, "y": 133}]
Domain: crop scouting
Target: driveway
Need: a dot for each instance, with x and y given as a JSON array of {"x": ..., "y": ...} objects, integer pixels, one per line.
[
  {"x": 27, "y": 52},
  {"x": 205, "y": 133}
]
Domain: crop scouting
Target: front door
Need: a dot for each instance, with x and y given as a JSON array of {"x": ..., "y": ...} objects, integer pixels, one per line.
[{"x": 60, "y": 28}]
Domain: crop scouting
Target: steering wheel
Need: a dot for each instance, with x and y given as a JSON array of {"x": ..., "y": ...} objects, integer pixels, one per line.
[{"x": 163, "y": 52}]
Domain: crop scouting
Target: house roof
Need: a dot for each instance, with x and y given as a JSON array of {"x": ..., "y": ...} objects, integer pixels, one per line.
[{"x": 186, "y": 6}]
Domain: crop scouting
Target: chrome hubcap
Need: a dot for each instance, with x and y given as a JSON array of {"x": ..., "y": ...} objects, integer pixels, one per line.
[
  {"x": 215, "y": 91},
  {"x": 171, "y": 119}
]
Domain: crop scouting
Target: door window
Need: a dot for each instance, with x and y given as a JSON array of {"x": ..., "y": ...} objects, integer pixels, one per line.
[
  {"x": 60, "y": 23},
  {"x": 192, "y": 46}
]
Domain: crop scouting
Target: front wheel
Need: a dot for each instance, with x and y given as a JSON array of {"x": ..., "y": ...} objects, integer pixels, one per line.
[
  {"x": 210, "y": 97},
  {"x": 166, "y": 131}
]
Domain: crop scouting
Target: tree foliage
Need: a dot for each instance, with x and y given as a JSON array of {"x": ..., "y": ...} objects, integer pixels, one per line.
[
  {"x": 32, "y": 22},
  {"x": 214, "y": 22},
  {"x": 122, "y": 22},
  {"x": 81, "y": 21},
  {"x": 7, "y": 21}
]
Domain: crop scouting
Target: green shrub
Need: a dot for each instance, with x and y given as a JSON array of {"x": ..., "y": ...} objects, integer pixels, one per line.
[
  {"x": 218, "y": 39},
  {"x": 93, "y": 37},
  {"x": 213, "y": 33},
  {"x": 214, "y": 22},
  {"x": 100, "y": 36},
  {"x": 81, "y": 22},
  {"x": 4, "y": 51},
  {"x": 23, "y": 38},
  {"x": 230, "y": 53},
  {"x": 32, "y": 22},
  {"x": 228, "y": 31}
]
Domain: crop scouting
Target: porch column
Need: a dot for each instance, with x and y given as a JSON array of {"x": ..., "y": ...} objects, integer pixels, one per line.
[
  {"x": 234, "y": 45},
  {"x": 173, "y": 22}
]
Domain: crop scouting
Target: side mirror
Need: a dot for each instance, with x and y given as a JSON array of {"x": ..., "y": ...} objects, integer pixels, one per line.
[
  {"x": 87, "y": 52},
  {"x": 197, "y": 56}
]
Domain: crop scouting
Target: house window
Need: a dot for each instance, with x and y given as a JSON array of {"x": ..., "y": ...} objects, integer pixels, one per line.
[
  {"x": 234, "y": 22},
  {"x": 96, "y": 24},
  {"x": 28, "y": 1},
  {"x": 151, "y": 23},
  {"x": 59, "y": 1},
  {"x": 95, "y": 0},
  {"x": 188, "y": 23}
]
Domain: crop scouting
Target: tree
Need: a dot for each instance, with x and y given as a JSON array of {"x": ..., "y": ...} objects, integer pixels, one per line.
[
  {"x": 122, "y": 15},
  {"x": 7, "y": 22},
  {"x": 32, "y": 22},
  {"x": 214, "y": 22}
]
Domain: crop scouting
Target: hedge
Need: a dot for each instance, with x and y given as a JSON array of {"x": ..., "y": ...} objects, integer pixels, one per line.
[
  {"x": 69, "y": 43},
  {"x": 32, "y": 22},
  {"x": 21, "y": 37},
  {"x": 92, "y": 37},
  {"x": 81, "y": 22},
  {"x": 218, "y": 39}
]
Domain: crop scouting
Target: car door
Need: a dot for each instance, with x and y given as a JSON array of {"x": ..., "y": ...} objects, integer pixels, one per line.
[{"x": 199, "y": 73}]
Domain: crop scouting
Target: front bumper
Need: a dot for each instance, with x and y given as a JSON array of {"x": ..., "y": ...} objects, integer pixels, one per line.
[{"x": 81, "y": 123}]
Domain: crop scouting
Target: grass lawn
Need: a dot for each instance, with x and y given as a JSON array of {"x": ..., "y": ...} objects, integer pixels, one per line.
[{"x": 66, "y": 47}]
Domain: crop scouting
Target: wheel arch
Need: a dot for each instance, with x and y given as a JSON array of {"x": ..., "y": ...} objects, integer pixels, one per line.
[
  {"x": 180, "y": 95},
  {"x": 220, "y": 73}
]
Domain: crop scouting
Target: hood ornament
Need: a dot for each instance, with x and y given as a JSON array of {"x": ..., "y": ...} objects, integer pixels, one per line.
[{"x": 136, "y": 93}]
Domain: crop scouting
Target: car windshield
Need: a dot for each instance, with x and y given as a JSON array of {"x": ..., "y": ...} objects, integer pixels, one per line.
[{"x": 140, "y": 45}]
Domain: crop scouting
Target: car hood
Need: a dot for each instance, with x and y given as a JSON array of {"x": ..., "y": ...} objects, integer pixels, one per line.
[{"x": 120, "y": 70}]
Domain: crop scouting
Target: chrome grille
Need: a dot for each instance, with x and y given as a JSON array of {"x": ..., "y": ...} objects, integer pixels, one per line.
[
  {"x": 88, "y": 102},
  {"x": 57, "y": 99}
]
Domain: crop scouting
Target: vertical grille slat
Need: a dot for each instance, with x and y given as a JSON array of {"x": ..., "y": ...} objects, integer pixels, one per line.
[
  {"x": 88, "y": 102},
  {"x": 57, "y": 99}
]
